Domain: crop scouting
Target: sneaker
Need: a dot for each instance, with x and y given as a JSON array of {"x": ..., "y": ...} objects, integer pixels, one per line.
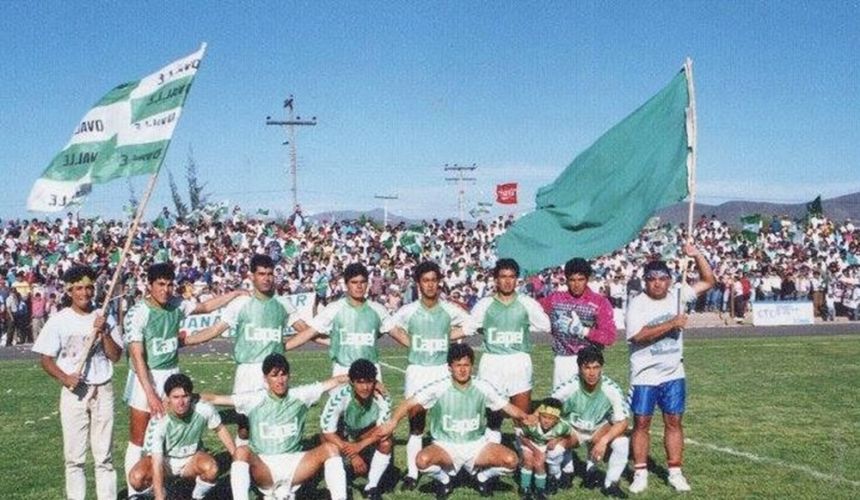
[
  {"x": 566, "y": 481},
  {"x": 485, "y": 488},
  {"x": 679, "y": 482},
  {"x": 591, "y": 479},
  {"x": 639, "y": 484},
  {"x": 524, "y": 493},
  {"x": 540, "y": 495},
  {"x": 443, "y": 490},
  {"x": 614, "y": 491},
  {"x": 372, "y": 493},
  {"x": 409, "y": 483}
]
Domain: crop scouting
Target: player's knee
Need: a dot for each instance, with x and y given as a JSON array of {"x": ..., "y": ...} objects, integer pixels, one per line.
[
  {"x": 330, "y": 450},
  {"x": 208, "y": 469},
  {"x": 672, "y": 422},
  {"x": 509, "y": 460},
  {"x": 642, "y": 423},
  {"x": 138, "y": 479},
  {"x": 242, "y": 453},
  {"x": 422, "y": 461}
]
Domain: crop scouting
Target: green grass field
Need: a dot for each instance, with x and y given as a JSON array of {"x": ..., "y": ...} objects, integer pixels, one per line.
[{"x": 766, "y": 418}]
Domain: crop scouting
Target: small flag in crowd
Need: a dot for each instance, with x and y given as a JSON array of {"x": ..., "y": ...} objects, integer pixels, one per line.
[
  {"x": 604, "y": 197},
  {"x": 751, "y": 227},
  {"x": 506, "y": 194},
  {"x": 814, "y": 207},
  {"x": 126, "y": 133}
]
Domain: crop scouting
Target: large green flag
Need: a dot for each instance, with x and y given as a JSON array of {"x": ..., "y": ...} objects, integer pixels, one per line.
[
  {"x": 126, "y": 133},
  {"x": 606, "y": 195}
]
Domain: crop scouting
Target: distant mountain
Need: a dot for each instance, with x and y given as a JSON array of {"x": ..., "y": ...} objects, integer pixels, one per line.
[{"x": 839, "y": 209}]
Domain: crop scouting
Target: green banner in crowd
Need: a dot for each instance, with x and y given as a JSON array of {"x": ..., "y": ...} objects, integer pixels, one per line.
[
  {"x": 606, "y": 195},
  {"x": 126, "y": 133},
  {"x": 751, "y": 227}
]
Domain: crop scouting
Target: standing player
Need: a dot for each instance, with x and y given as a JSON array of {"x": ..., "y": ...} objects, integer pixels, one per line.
[
  {"x": 86, "y": 400},
  {"x": 655, "y": 334},
  {"x": 456, "y": 406},
  {"x": 426, "y": 326},
  {"x": 579, "y": 317},
  {"x": 152, "y": 339},
  {"x": 507, "y": 320},
  {"x": 274, "y": 459},
  {"x": 597, "y": 412},
  {"x": 173, "y": 443},
  {"x": 359, "y": 409},
  {"x": 353, "y": 323},
  {"x": 261, "y": 322}
]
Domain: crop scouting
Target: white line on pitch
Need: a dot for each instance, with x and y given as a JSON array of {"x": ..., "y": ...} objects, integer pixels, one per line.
[{"x": 395, "y": 368}]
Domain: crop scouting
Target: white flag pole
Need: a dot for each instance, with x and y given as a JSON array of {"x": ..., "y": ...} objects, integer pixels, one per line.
[{"x": 691, "y": 166}]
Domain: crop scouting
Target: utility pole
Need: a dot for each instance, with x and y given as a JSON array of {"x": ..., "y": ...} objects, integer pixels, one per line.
[
  {"x": 291, "y": 123},
  {"x": 385, "y": 205},
  {"x": 461, "y": 181}
]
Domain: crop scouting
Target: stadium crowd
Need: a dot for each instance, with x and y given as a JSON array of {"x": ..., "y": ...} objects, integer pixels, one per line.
[{"x": 814, "y": 259}]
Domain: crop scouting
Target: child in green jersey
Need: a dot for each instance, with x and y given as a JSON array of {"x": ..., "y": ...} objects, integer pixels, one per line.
[{"x": 540, "y": 444}]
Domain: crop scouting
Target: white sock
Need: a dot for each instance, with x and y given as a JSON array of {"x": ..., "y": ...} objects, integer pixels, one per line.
[
  {"x": 378, "y": 464},
  {"x": 617, "y": 460},
  {"x": 201, "y": 488},
  {"x": 132, "y": 456},
  {"x": 568, "y": 462},
  {"x": 413, "y": 446},
  {"x": 240, "y": 480},
  {"x": 554, "y": 458},
  {"x": 335, "y": 478},
  {"x": 674, "y": 470},
  {"x": 487, "y": 474},
  {"x": 437, "y": 473}
]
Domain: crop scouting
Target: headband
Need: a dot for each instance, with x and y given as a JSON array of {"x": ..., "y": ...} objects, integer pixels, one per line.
[
  {"x": 656, "y": 274},
  {"x": 549, "y": 410},
  {"x": 84, "y": 281}
]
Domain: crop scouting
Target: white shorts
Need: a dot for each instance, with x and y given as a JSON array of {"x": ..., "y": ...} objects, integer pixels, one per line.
[
  {"x": 463, "y": 455},
  {"x": 174, "y": 466},
  {"x": 249, "y": 378},
  {"x": 282, "y": 467},
  {"x": 584, "y": 437},
  {"x": 417, "y": 376},
  {"x": 511, "y": 374},
  {"x": 564, "y": 368},
  {"x": 134, "y": 395}
]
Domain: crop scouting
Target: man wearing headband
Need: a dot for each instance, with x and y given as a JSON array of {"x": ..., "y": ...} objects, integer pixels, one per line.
[
  {"x": 655, "y": 324},
  {"x": 86, "y": 400}
]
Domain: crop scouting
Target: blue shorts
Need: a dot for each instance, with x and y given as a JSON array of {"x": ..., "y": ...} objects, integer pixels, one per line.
[{"x": 671, "y": 396}]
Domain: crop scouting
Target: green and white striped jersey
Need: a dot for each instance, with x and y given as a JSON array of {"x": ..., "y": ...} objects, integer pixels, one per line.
[
  {"x": 457, "y": 413},
  {"x": 277, "y": 424},
  {"x": 507, "y": 328},
  {"x": 260, "y": 324},
  {"x": 158, "y": 329},
  {"x": 353, "y": 330},
  {"x": 429, "y": 330},
  {"x": 175, "y": 437},
  {"x": 586, "y": 411},
  {"x": 356, "y": 417},
  {"x": 538, "y": 436}
]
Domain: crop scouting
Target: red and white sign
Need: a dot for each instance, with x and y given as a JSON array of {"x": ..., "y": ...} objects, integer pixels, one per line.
[{"x": 506, "y": 194}]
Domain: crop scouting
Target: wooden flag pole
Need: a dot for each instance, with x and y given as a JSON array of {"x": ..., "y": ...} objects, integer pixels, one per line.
[
  {"x": 691, "y": 163},
  {"x": 88, "y": 345}
]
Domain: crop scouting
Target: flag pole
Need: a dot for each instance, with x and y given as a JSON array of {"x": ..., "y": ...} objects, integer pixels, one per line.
[
  {"x": 88, "y": 345},
  {"x": 691, "y": 162}
]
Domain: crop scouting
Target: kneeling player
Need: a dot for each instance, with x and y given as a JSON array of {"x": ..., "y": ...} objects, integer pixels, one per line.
[
  {"x": 172, "y": 442},
  {"x": 542, "y": 446},
  {"x": 456, "y": 406},
  {"x": 597, "y": 411},
  {"x": 360, "y": 409},
  {"x": 274, "y": 459}
]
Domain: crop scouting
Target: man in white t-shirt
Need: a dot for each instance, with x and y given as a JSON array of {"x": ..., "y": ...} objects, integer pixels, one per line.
[
  {"x": 86, "y": 400},
  {"x": 655, "y": 326}
]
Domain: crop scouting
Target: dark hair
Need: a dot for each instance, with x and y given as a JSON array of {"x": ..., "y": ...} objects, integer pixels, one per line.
[
  {"x": 180, "y": 380},
  {"x": 264, "y": 261},
  {"x": 552, "y": 403},
  {"x": 362, "y": 369},
  {"x": 460, "y": 351},
  {"x": 503, "y": 264},
  {"x": 353, "y": 270},
  {"x": 589, "y": 355},
  {"x": 427, "y": 267},
  {"x": 275, "y": 361},
  {"x": 577, "y": 265},
  {"x": 76, "y": 273},
  {"x": 164, "y": 270},
  {"x": 656, "y": 265}
]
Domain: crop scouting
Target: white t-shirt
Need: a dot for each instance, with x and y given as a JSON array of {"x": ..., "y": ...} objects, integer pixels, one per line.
[
  {"x": 662, "y": 360},
  {"x": 63, "y": 338}
]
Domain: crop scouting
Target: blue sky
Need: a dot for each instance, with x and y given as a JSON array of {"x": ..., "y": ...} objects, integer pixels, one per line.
[{"x": 400, "y": 89}]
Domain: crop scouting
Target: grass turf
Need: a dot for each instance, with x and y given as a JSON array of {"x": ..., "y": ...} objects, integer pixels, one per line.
[{"x": 766, "y": 418}]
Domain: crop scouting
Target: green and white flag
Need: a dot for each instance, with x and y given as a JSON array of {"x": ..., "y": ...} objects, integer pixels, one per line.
[
  {"x": 126, "y": 133},
  {"x": 751, "y": 227}
]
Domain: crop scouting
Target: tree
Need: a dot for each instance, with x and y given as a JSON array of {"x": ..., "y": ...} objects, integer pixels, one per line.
[
  {"x": 181, "y": 207},
  {"x": 195, "y": 190}
]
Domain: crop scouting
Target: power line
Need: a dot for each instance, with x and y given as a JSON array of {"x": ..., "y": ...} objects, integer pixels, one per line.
[
  {"x": 461, "y": 181},
  {"x": 291, "y": 123}
]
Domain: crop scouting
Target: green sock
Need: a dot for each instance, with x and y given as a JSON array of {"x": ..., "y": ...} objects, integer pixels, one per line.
[
  {"x": 525, "y": 479},
  {"x": 540, "y": 482}
]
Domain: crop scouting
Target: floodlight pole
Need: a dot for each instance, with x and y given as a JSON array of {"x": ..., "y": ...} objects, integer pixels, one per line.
[
  {"x": 386, "y": 198},
  {"x": 291, "y": 123},
  {"x": 461, "y": 181}
]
